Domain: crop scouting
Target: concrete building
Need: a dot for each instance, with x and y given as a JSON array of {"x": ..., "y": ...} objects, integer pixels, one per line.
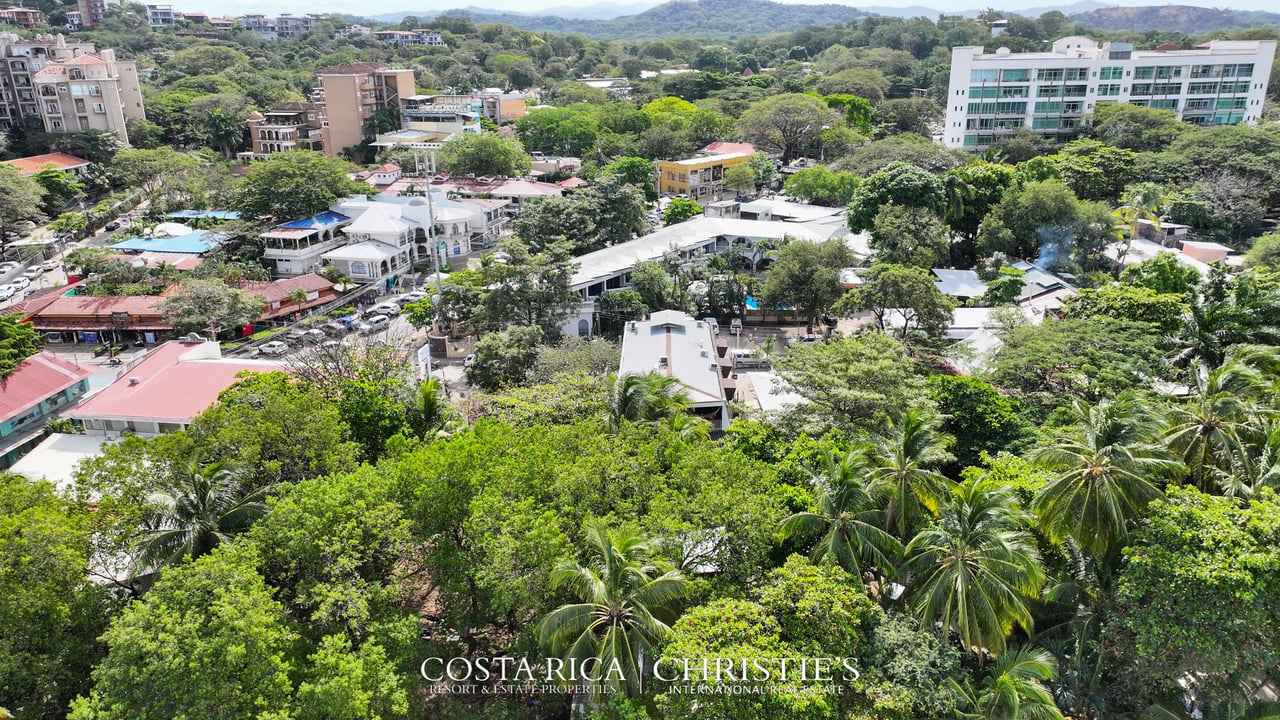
[
  {"x": 498, "y": 106},
  {"x": 64, "y": 86},
  {"x": 164, "y": 390},
  {"x": 410, "y": 37},
  {"x": 91, "y": 11},
  {"x": 22, "y": 17},
  {"x": 991, "y": 94},
  {"x": 43, "y": 385},
  {"x": 260, "y": 25},
  {"x": 289, "y": 25},
  {"x": 75, "y": 20},
  {"x": 352, "y": 31},
  {"x": 700, "y": 178},
  {"x": 296, "y": 247},
  {"x": 162, "y": 16},
  {"x": 351, "y": 94},
  {"x": 29, "y": 166},
  {"x": 676, "y": 345},
  {"x": 288, "y": 126}
]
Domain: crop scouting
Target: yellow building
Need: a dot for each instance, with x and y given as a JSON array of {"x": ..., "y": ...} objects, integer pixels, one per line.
[{"x": 701, "y": 178}]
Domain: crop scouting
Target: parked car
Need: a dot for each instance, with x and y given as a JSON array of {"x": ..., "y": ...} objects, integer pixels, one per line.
[
  {"x": 386, "y": 308},
  {"x": 334, "y": 329},
  {"x": 735, "y": 326},
  {"x": 376, "y": 323},
  {"x": 49, "y": 265},
  {"x": 275, "y": 348},
  {"x": 7, "y": 291},
  {"x": 295, "y": 339},
  {"x": 313, "y": 336},
  {"x": 22, "y": 282},
  {"x": 411, "y": 297},
  {"x": 112, "y": 226},
  {"x": 714, "y": 323},
  {"x": 806, "y": 339},
  {"x": 7, "y": 266},
  {"x": 469, "y": 360},
  {"x": 33, "y": 272}
]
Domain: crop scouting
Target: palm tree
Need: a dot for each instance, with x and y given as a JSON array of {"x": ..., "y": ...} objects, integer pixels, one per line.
[
  {"x": 849, "y": 515},
  {"x": 957, "y": 192},
  {"x": 627, "y": 597},
  {"x": 687, "y": 427},
  {"x": 1104, "y": 477},
  {"x": 904, "y": 461},
  {"x": 198, "y": 510},
  {"x": 974, "y": 572},
  {"x": 645, "y": 398},
  {"x": 1079, "y": 600},
  {"x": 430, "y": 415},
  {"x": 1255, "y": 461},
  {"x": 1205, "y": 432},
  {"x": 297, "y": 297},
  {"x": 1013, "y": 690},
  {"x": 1208, "y": 329},
  {"x": 1140, "y": 202}
]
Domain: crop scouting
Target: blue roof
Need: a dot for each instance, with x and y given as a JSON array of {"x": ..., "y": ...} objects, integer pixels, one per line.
[
  {"x": 316, "y": 222},
  {"x": 193, "y": 243},
  {"x": 198, "y": 214}
]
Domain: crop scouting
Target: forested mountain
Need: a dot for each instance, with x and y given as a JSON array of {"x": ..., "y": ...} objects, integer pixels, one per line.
[
  {"x": 683, "y": 18},
  {"x": 1174, "y": 18}
]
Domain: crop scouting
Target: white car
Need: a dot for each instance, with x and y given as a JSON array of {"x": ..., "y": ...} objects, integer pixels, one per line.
[
  {"x": 387, "y": 308},
  {"x": 49, "y": 265},
  {"x": 469, "y": 360},
  {"x": 7, "y": 266},
  {"x": 412, "y": 297},
  {"x": 21, "y": 282},
  {"x": 33, "y": 272},
  {"x": 7, "y": 291},
  {"x": 275, "y": 347}
]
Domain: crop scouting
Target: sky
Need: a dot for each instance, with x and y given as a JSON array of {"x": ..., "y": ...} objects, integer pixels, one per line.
[{"x": 377, "y": 7}]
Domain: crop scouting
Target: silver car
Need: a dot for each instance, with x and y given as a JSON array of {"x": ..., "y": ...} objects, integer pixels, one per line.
[{"x": 274, "y": 348}]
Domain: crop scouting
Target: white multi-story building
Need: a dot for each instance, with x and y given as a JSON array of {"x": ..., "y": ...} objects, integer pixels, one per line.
[
  {"x": 991, "y": 94},
  {"x": 162, "y": 16}
]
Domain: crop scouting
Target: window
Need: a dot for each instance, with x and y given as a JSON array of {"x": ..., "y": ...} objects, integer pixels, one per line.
[
  {"x": 1165, "y": 104},
  {"x": 1241, "y": 71},
  {"x": 99, "y": 108},
  {"x": 1166, "y": 72},
  {"x": 1201, "y": 104},
  {"x": 1108, "y": 90},
  {"x": 1020, "y": 75},
  {"x": 1231, "y": 103},
  {"x": 1205, "y": 71},
  {"x": 1076, "y": 74},
  {"x": 1050, "y": 75},
  {"x": 51, "y": 107},
  {"x": 1236, "y": 87},
  {"x": 1141, "y": 89},
  {"x": 1144, "y": 73},
  {"x": 1203, "y": 88},
  {"x": 1046, "y": 123}
]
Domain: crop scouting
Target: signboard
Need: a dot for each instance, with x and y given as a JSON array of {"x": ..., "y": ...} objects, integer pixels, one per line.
[{"x": 424, "y": 361}]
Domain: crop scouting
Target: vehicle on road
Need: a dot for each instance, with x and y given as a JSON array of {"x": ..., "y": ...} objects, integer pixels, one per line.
[
  {"x": 411, "y": 297},
  {"x": 275, "y": 348},
  {"x": 50, "y": 265},
  {"x": 735, "y": 326},
  {"x": 469, "y": 360},
  {"x": 313, "y": 336},
  {"x": 334, "y": 329},
  {"x": 33, "y": 272},
  {"x": 376, "y": 323},
  {"x": 806, "y": 339},
  {"x": 21, "y": 282},
  {"x": 714, "y": 323},
  {"x": 386, "y": 308},
  {"x": 7, "y": 291},
  {"x": 7, "y": 266},
  {"x": 112, "y": 226}
]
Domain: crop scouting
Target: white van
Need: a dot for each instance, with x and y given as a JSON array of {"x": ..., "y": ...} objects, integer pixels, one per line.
[
  {"x": 376, "y": 323},
  {"x": 744, "y": 359},
  {"x": 714, "y": 323}
]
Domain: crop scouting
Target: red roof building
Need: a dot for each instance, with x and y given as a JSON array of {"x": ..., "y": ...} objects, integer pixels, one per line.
[
  {"x": 277, "y": 294},
  {"x": 60, "y": 161},
  {"x": 724, "y": 148},
  {"x": 165, "y": 390},
  {"x": 101, "y": 313},
  {"x": 42, "y": 385}
]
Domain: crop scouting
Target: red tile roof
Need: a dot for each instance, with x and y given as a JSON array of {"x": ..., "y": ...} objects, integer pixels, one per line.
[
  {"x": 86, "y": 59},
  {"x": 38, "y": 377},
  {"x": 573, "y": 182},
  {"x": 36, "y": 163},
  {"x": 724, "y": 148},
  {"x": 281, "y": 289},
  {"x": 175, "y": 382},
  {"x": 82, "y": 305}
]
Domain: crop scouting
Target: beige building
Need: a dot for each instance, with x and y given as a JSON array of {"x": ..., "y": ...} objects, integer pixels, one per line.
[
  {"x": 288, "y": 126},
  {"x": 66, "y": 86},
  {"x": 90, "y": 92},
  {"x": 351, "y": 94},
  {"x": 22, "y": 17}
]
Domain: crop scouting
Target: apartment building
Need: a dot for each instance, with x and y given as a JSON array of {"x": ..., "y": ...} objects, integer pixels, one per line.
[
  {"x": 65, "y": 86},
  {"x": 288, "y": 126},
  {"x": 260, "y": 25},
  {"x": 991, "y": 94},
  {"x": 351, "y": 94},
  {"x": 701, "y": 178},
  {"x": 410, "y": 37},
  {"x": 89, "y": 92},
  {"x": 289, "y": 25},
  {"x": 162, "y": 16},
  {"x": 91, "y": 12},
  {"x": 22, "y": 17}
]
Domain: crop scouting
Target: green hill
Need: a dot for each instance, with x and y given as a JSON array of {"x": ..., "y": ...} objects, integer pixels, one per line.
[
  {"x": 708, "y": 19},
  {"x": 1174, "y": 18}
]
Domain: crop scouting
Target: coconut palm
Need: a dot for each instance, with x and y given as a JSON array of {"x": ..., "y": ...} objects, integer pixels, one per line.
[
  {"x": 196, "y": 511},
  {"x": 1014, "y": 689},
  {"x": 687, "y": 426},
  {"x": 1205, "y": 432},
  {"x": 429, "y": 414},
  {"x": 1104, "y": 476},
  {"x": 849, "y": 516},
  {"x": 974, "y": 572},
  {"x": 904, "y": 460},
  {"x": 1073, "y": 612},
  {"x": 647, "y": 397},
  {"x": 958, "y": 193},
  {"x": 1140, "y": 202},
  {"x": 627, "y": 596},
  {"x": 1255, "y": 461}
]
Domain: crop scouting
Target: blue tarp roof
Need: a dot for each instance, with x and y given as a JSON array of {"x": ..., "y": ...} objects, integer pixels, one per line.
[
  {"x": 197, "y": 214},
  {"x": 193, "y": 243},
  {"x": 315, "y": 222}
]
